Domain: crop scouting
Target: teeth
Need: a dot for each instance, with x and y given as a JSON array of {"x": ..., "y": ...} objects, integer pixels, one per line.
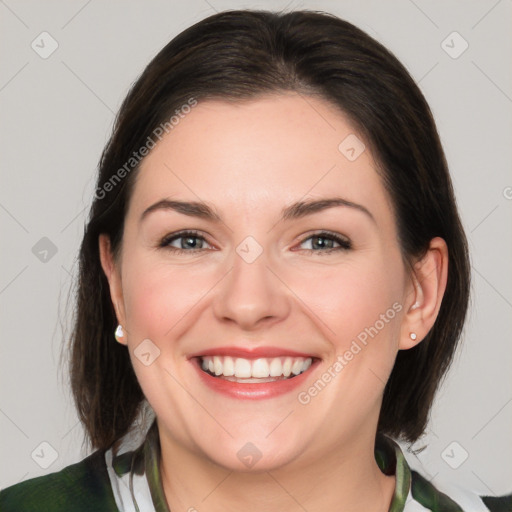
[
  {"x": 276, "y": 368},
  {"x": 228, "y": 367},
  {"x": 217, "y": 365},
  {"x": 296, "y": 367},
  {"x": 287, "y": 366},
  {"x": 262, "y": 368},
  {"x": 242, "y": 368}
]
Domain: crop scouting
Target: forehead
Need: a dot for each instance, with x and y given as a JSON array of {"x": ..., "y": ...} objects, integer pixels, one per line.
[{"x": 255, "y": 153}]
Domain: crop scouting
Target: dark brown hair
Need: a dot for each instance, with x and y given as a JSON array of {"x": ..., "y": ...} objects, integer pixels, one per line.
[{"x": 243, "y": 54}]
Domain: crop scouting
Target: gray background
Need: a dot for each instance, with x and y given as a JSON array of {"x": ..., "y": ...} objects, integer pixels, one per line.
[{"x": 57, "y": 114}]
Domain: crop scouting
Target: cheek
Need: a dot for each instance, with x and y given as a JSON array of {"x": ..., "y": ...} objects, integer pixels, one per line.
[
  {"x": 350, "y": 298},
  {"x": 357, "y": 306},
  {"x": 159, "y": 296}
]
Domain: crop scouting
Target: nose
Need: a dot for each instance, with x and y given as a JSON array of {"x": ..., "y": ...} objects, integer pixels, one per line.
[{"x": 252, "y": 295}]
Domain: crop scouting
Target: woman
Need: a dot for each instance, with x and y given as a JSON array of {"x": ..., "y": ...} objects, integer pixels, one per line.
[{"x": 275, "y": 246}]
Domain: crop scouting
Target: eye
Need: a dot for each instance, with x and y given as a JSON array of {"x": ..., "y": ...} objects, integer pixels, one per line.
[
  {"x": 192, "y": 241},
  {"x": 326, "y": 242},
  {"x": 183, "y": 241}
]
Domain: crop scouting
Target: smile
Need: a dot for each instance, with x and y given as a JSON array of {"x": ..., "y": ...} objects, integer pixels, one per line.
[
  {"x": 261, "y": 373},
  {"x": 238, "y": 369}
]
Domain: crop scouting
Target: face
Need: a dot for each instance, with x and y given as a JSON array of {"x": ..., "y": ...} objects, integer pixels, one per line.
[{"x": 222, "y": 305}]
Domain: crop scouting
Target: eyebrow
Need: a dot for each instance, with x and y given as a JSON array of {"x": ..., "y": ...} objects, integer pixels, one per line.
[{"x": 296, "y": 210}]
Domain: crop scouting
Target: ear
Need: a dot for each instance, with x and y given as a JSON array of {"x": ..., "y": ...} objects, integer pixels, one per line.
[
  {"x": 113, "y": 274},
  {"x": 423, "y": 301}
]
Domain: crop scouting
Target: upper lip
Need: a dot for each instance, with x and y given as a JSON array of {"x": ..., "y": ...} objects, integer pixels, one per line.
[{"x": 250, "y": 353}]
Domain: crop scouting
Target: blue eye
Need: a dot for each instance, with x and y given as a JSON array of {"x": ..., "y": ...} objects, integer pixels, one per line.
[
  {"x": 325, "y": 242},
  {"x": 189, "y": 242}
]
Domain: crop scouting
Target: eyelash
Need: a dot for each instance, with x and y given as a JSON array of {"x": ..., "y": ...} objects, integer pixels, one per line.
[{"x": 344, "y": 244}]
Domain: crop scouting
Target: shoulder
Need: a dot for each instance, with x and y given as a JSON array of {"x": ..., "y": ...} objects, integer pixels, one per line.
[
  {"x": 415, "y": 493},
  {"x": 452, "y": 498},
  {"x": 80, "y": 487}
]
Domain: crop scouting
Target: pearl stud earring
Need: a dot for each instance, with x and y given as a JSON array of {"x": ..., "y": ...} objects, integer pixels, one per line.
[
  {"x": 119, "y": 333},
  {"x": 412, "y": 335}
]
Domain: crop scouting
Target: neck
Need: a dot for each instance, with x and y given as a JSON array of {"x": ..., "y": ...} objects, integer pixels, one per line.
[{"x": 346, "y": 478}]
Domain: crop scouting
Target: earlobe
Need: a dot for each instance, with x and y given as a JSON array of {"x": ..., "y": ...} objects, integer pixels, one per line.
[
  {"x": 112, "y": 273},
  {"x": 429, "y": 279}
]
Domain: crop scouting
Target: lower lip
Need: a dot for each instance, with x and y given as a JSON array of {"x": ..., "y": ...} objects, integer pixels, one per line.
[{"x": 252, "y": 391}]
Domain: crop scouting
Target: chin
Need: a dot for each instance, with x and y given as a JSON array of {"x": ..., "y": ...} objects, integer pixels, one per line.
[{"x": 251, "y": 459}]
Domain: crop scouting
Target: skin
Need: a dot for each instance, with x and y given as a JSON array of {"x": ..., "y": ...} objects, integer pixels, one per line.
[{"x": 249, "y": 160}]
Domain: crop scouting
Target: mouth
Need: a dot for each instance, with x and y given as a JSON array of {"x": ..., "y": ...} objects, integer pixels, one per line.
[
  {"x": 254, "y": 377},
  {"x": 261, "y": 370}
]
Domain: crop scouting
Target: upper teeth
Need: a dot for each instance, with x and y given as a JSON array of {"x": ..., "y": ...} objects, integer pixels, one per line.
[{"x": 257, "y": 368}]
